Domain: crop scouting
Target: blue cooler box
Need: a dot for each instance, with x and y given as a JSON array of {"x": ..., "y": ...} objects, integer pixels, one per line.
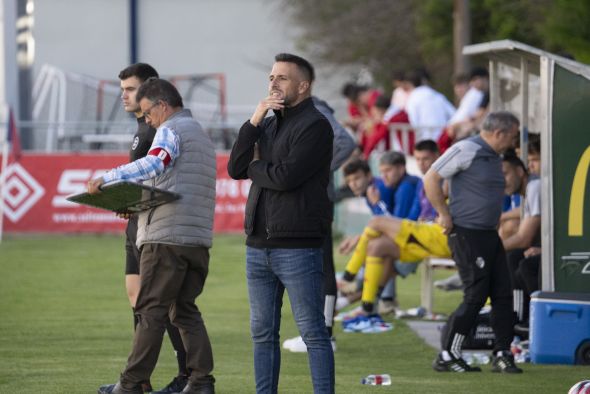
[{"x": 560, "y": 328}]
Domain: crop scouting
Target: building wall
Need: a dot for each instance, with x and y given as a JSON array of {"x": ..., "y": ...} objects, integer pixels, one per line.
[{"x": 236, "y": 37}]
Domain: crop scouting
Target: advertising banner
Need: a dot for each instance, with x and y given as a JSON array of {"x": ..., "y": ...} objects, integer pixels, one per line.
[
  {"x": 36, "y": 187},
  {"x": 571, "y": 161}
]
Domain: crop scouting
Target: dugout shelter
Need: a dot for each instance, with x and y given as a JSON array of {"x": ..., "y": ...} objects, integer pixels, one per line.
[{"x": 550, "y": 94}]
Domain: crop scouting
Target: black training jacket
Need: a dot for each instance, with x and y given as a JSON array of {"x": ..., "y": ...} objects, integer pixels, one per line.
[{"x": 293, "y": 170}]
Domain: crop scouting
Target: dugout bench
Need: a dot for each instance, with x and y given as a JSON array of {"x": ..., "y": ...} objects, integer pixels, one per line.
[{"x": 427, "y": 279}]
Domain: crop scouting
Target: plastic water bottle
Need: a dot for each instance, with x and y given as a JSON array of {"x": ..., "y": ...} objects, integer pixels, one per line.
[{"x": 377, "y": 380}]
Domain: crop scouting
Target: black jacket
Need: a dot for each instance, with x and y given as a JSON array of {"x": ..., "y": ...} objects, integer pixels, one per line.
[{"x": 292, "y": 173}]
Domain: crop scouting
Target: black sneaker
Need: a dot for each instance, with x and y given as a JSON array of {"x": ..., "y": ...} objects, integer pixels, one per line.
[
  {"x": 453, "y": 365},
  {"x": 202, "y": 388},
  {"x": 175, "y": 386},
  {"x": 117, "y": 389},
  {"x": 504, "y": 363}
]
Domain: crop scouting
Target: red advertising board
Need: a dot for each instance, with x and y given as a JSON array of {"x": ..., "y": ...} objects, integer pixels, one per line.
[{"x": 36, "y": 187}]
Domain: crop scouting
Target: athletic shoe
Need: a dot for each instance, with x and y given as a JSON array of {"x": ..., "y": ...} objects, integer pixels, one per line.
[
  {"x": 356, "y": 324},
  {"x": 344, "y": 316},
  {"x": 117, "y": 389},
  {"x": 451, "y": 283},
  {"x": 296, "y": 345},
  {"x": 203, "y": 388},
  {"x": 387, "y": 306},
  {"x": 453, "y": 365},
  {"x": 371, "y": 324},
  {"x": 288, "y": 343},
  {"x": 503, "y": 361},
  {"x": 377, "y": 325},
  {"x": 175, "y": 386}
]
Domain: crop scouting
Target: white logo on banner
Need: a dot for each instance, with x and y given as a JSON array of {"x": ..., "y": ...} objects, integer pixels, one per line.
[
  {"x": 73, "y": 182},
  {"x": 21, "y": 191}
]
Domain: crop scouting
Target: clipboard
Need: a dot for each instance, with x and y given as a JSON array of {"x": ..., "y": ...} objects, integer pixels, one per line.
[{"x": 125, "y": 197}]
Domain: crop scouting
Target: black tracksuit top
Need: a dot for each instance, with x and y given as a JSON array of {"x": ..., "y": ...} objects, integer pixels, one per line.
[{"x": 288, "y": 205}]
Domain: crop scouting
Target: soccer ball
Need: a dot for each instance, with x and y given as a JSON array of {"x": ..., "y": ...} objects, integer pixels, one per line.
[{"x": 582, "y": 387}]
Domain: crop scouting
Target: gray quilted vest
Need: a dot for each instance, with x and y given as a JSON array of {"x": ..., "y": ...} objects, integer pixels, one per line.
[{"x": 189, "y": 220}]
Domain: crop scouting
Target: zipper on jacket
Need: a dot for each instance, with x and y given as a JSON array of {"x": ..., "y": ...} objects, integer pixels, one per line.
[{"x": 265, "y": 201}]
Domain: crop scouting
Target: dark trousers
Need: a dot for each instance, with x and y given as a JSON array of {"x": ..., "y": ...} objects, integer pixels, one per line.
[
  {"x": 171, "y": 278},
  {"x": 525, "y": 278},
  {"x": 481, "y": 261},
  {"x": 329, "y": 272},
  {"x": 330, "y": 289}
]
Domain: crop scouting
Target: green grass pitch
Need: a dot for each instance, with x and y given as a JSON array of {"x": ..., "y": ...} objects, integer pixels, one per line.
[{"x": 66, "y": 327}]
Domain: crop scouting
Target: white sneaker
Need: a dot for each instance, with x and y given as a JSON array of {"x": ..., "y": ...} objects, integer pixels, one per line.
[
  {"x": 386, "y": 307},
  {"x": 451, "y": 283},
  {"x": 296, "y": 345},
  {"x": 289, "y": 343}
]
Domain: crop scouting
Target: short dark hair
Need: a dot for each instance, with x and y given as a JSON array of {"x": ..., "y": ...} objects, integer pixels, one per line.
[
  {"x": 514, "y": 161},
  {"x": 356, "y": 165},
  {"x": 393, "y": 158},
  {"x": 424, "y": 75},
  {"x": 383, "y": 102},
  {"x": 499, "y": 120},
  {"x": 428, "y": 145},
  {"x": 397, "y": 75},
  {"x": 460, "y": 78},
  {"x": 156, "y": 89},
  {"x": 414, "y": 77},
  {"x": 479, "y": 72},
  {"x": 304, "y": 66},
  {"x": 534, "y": 145},
  {"x": 350, "y": 91},
  {"x": 141, "y": 71}
]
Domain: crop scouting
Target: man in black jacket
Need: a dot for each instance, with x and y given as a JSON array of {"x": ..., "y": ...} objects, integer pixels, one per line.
[{"x": 287, "y": 156}]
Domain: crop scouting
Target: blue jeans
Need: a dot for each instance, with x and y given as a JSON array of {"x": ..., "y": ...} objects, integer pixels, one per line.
[{"x": 269, "y": 273}]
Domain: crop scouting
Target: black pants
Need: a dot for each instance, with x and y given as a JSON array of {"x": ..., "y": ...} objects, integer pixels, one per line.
[
  {"x": 330, "y": 290},
  {"x": 131, "y": 251},
  {"x": 525, "y": 279},
  {"x": 481, "y": 261},
  {"x": 329, "y": 274}
]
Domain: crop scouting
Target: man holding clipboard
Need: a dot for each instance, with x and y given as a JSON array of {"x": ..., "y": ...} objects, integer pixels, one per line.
[{"x": 174, "y": 238}]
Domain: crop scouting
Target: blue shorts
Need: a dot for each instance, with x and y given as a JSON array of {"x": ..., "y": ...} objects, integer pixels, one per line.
[{"x": 405, "y": 269}]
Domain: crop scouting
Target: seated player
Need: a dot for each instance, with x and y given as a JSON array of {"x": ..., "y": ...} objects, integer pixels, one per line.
[
  {"x": 524, "y": 265},
  {"x": 394, "y": 194},
  {"x": 388, "y": 239}
]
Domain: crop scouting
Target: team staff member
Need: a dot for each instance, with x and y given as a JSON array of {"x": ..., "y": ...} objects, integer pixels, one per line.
[
  {"x": 343, "y": 146},
  {"x": 174, "y": 239},
  {"x": 474, "y": 169},
  {"x": 131, "y": 78},
  {"x": 287, "y": 156}
]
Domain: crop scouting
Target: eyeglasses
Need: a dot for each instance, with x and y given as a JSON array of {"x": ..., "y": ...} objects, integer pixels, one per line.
[{"x": 147, "y": 113}]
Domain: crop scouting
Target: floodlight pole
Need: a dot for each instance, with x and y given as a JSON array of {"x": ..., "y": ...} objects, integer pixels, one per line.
[{"x": 133, "y": 31}]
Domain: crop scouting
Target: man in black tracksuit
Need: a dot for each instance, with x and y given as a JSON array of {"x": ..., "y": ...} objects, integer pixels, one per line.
[
  {"x": 287, "y": 156},
  {"x": 474, "y": 170}
]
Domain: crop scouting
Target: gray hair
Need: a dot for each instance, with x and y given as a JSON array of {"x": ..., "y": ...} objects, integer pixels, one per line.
[
  {"x": 499, "y": 120},
  {"x": 393, "y": 158}
]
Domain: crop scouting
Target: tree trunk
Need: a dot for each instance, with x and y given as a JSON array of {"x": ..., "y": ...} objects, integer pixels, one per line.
[{"x": 461, "y": 35}]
